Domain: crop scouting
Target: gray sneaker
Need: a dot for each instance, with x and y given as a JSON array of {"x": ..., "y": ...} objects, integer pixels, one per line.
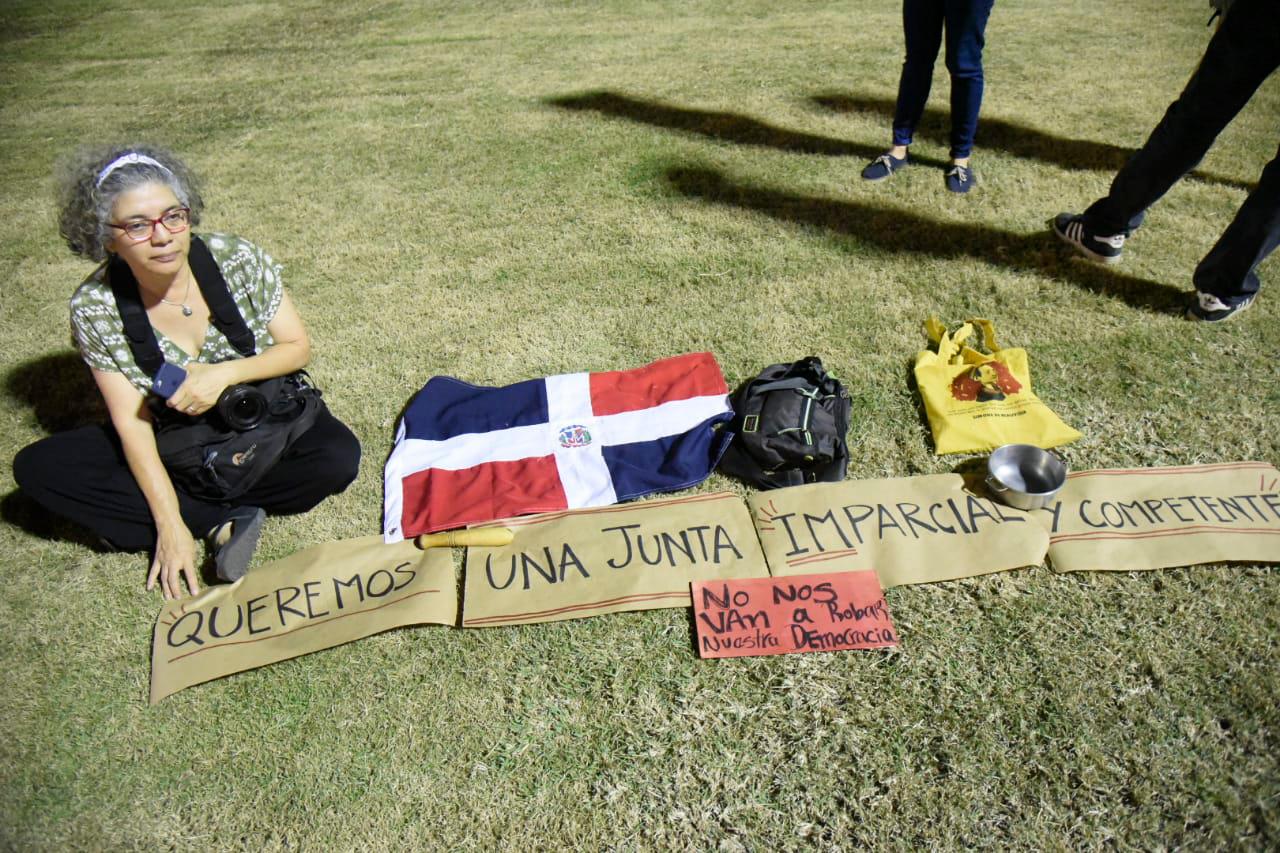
[{"x": 231, "y": 557}]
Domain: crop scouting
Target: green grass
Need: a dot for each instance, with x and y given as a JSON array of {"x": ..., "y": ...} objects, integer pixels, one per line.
[{"x": 501, "y": 190}]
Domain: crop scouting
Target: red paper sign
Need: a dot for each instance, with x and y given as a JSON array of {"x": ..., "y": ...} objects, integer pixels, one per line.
[{"x": 802, "y": 613}]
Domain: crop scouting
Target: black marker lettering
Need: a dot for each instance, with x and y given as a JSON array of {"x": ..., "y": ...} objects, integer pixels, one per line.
[
  {"x": 192, "y": 637},
  {"x": 282, "y": 605}
]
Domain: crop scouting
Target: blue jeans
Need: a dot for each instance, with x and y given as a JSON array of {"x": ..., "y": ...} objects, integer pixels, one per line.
[
  {"x": 922, "y": 24},
  {"x": 1242, "y": 53}
]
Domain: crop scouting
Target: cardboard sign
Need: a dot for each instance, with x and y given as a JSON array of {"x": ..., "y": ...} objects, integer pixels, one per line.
[
  {"x": 315, "y": 599},
  {"x": 1154, "y": 518},
  {"x": 569, "y": 565},
  {"x": 802, "y": 613},
  {"x": 909, "y": 530}
]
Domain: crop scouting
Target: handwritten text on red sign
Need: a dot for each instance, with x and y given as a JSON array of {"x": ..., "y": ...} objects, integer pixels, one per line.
[{"x": 801, "y": 613}]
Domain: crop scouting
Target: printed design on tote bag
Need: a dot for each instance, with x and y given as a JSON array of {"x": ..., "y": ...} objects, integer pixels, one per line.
[{"x": 985, "y": 383}]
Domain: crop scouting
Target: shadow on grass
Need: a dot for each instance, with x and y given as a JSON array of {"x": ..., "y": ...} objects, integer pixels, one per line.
[
  {"x": 1018, "y": 140},
  {"x": 901, "y": 231},
  {"x": 58, "y": 389},
  {"x": 720, "y": 126}
]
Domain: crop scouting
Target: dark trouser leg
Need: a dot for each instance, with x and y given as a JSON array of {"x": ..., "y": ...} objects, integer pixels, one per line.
[
  {"x": 82, "y": 476},
  {"x": 1242, "y": 53},
  {"x": 922, "y": 27},
  {"x": 966, "y": 26},
  {"x": 1229, "y": 270},
  {"x": 322, "y": 462}
]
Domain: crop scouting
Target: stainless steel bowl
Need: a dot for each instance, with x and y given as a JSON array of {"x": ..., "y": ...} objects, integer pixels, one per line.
[{"x": 1025, "y": 476}]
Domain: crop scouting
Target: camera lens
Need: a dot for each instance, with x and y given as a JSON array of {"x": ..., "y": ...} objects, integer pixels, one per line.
[{"x": 242, "y": 407}]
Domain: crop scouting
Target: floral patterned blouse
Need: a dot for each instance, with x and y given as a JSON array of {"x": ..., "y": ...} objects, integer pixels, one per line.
[{"x": 255, "y": 284}]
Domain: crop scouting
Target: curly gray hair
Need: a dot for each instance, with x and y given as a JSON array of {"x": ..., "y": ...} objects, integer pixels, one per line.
[{"x": 87, "y": 193}]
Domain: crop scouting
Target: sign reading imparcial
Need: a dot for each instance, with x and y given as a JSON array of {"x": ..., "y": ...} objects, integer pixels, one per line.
[{"x": 908, "y": 530}]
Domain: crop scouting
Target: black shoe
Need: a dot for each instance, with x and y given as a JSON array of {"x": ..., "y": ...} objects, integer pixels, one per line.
[
  {"x": 231, "y": 558},
  {"x": 959, "y": 178},
  {"x": 883, "y": 167},
  {"x": 1103, "y": 248},
  {"x": 1207, "y": 308}
]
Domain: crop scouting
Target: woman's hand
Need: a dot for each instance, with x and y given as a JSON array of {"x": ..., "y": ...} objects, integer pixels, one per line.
[
  {"x": 203, "y": 385},
  {"x": 175, "y": 557},
  {"x": 175, "y": 548}
]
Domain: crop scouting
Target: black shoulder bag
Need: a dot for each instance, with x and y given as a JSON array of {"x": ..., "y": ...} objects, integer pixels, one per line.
[
  {"x": 790, "y": 425},
  {"x": 206, "y": 456}
]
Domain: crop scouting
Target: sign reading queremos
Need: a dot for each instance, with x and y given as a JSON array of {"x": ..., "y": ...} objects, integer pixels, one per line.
[{"x": 315, "y": 599}]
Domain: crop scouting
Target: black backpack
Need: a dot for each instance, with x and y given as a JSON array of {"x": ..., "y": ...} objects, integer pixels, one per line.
[{"x": 790, "y": 424}]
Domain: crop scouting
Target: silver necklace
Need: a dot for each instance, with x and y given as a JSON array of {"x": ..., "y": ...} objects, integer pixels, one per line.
[{"x": 186, "y": 310}]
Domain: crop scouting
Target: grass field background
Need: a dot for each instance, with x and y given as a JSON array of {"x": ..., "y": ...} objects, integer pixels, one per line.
[{"x": 502, "y": 190}]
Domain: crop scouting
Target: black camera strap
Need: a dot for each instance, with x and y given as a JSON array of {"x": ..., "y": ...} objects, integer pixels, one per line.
[{"x": 223, "y": 313}]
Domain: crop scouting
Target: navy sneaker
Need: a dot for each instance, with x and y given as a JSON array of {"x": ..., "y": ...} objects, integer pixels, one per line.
[
  {"x": 1103, "y": 248},
  {"x": 1207, "y": 308},
  {"x": 883, "y": 167},
  {"x": 959, "y": 178}
]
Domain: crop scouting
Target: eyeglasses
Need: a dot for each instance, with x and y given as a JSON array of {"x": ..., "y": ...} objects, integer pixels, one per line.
[{"x": 175, "y": 220}]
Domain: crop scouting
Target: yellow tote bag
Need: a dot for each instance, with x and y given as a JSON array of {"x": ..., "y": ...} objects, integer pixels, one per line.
[{"x": 978, "y": 401}]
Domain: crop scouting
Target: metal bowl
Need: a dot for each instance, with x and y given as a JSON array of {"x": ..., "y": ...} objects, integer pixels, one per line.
[{"x": 1025, "y": 476}]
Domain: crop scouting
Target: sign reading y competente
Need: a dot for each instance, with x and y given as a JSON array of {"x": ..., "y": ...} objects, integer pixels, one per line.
[{"x": 1154, "y": 518}]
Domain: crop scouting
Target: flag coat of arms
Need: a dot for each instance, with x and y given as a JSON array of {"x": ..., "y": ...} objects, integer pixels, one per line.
[{"x": 465, "y": 453}]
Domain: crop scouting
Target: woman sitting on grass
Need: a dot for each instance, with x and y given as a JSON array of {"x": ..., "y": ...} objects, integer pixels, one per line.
[{"x": 136, "y": 205}]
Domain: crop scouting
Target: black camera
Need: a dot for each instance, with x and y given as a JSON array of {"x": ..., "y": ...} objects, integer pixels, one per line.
[{"x": 241, "y": 407}]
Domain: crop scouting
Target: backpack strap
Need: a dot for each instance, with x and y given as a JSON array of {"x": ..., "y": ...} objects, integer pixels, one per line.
[
  {"x": 796, "y": 383},
  {"x": 137, "y": 328},
  {"x": 223, "y": 313}
]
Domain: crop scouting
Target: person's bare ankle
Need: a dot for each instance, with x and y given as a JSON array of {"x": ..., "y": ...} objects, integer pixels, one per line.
[{"x": 223, "y": 533}]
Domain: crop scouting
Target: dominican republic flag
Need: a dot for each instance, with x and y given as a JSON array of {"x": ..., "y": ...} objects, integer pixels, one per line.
[{"x": 466, "y": 454}]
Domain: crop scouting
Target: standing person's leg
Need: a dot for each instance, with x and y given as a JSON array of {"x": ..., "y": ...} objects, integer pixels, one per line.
[
  {"x": 82, "y": 476},
  {"x": 1227, "y": 280},
  {"x": 1241, "y": 54},
  {"x": 966, "y": 36},
  {"x": 922, "y": 30}
]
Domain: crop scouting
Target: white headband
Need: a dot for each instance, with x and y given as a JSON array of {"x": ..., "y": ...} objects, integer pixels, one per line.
[{"x": 125, "y": 160}]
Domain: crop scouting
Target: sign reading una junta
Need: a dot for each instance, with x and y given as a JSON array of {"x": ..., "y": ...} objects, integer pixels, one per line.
[{"x": 639, "y": 556}]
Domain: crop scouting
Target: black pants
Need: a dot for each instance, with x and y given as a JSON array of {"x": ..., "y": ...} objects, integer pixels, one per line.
[
  {"x": 1241, "y": 55},
  {"x": 82, "y": 475}
]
